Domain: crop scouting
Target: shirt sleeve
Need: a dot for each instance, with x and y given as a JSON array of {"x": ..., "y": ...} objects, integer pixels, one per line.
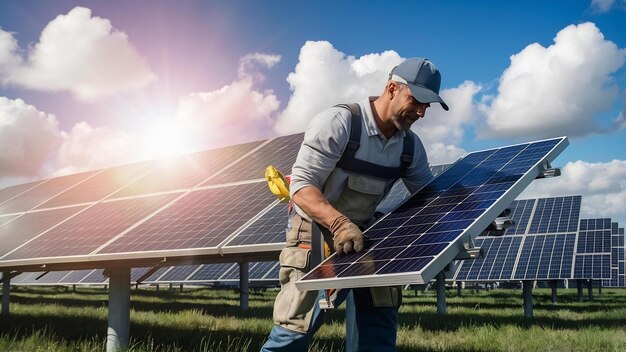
[
  {"x": 324, "y": 141},
  {"x": 418, "y": 174}
]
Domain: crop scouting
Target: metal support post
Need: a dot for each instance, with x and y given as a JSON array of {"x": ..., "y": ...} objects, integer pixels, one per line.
[
  {"x": 244, "y": 285},
  {"x": 527, "y": 291},
  {"x": 6, "y": 294},
  {"x": 553, "y": 286},
  {"x": 181, "y": 287},
  {"x": 459, "y": 285},
  {"x": 118, "y": 331},
  {"x": 599, "y": 287},
  {"x": 579, "y": 288},
  {"x": 441, "y": 293},
  {"x": 590, "y": 289}
]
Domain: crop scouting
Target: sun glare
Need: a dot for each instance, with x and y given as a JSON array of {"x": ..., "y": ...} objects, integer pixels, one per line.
[{"x": 164, "y": 140}]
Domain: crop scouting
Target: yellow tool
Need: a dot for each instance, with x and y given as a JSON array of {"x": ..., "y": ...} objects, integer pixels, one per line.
[{"x": 278, "y": 184}]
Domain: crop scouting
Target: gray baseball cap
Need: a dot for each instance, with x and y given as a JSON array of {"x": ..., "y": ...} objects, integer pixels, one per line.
[{"x": 422, "y": 77}]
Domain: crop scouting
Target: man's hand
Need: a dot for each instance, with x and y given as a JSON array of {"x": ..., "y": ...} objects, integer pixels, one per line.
[{"x": 346, "y": 235}]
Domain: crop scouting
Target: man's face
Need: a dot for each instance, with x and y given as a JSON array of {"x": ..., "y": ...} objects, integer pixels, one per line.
[{"x": 405, "y": 109}]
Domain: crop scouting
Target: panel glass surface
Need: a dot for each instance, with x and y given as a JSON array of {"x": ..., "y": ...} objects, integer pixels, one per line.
[
  {"x": 281, "y": 153},
  {"x": 13, "y": 191},
  {"x": 178, "y": 273},
  {"x": 202, "y": 219},
  {"x": 99, "y": 186},
  {"x": 186, "y": 171},
  {"x": 43, "y": 192},
  {"x": 548, "y": 255},
  {"x": 269, "y": 228},
  {"x": 212, "y": 272},
  {"x": 593, "y": 250},
  {"x": 75, "y": 276},
  {"x": 408, "y": 240},
  {"x": 28, "y": 226},
  {"x": 90, "y": 229}
]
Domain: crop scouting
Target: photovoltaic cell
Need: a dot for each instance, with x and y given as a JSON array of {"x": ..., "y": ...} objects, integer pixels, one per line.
[
  {"x": 617, "y": 258},
  {"x": 186, "y": 171},
  {"x": 201, "y": 219},
  {"x": 28, "y": 226},
  {"x": 42, "y": 192},
  {"x": 280, "y": 152},
  {"x": 99, "y": 186},
  {"x": 90, "y": 229},
  {"x": 418, "y": 239},
  {"x": 6, "y": 218}
]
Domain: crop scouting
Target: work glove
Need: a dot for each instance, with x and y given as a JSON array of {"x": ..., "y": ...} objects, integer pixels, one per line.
[{"x": 346, "y": 236}]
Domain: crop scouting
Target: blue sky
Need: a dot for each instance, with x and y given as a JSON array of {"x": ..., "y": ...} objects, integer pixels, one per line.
[{"x": 88, "y": 84}]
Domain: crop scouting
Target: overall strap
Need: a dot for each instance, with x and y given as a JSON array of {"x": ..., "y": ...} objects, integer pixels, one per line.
[{"x": 349, "y": 162}]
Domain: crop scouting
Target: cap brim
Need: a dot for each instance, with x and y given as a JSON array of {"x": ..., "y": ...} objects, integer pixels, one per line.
[{"x": 425, "y": 95}]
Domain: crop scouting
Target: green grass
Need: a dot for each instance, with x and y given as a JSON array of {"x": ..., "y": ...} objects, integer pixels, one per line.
[{"x": 53, "y": 319}]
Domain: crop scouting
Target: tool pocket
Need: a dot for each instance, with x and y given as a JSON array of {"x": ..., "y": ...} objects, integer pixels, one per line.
[
  {"x": 299, "y": 230},
  {"x": 293, "y": 309},
  {"x": 386, "y": 297}
]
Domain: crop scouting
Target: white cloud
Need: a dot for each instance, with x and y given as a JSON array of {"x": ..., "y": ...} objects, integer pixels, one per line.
[
  {"x": 602, "y": 185},
  {"x": 235, "y": 113},
  {"x": 88, "y": 148},
  {"x": 28, "y": 137},
  {"x": 601, "y": 6},
  {"x": 78, "y": 53},
  {"x": 325, "y": 76},
  {"x": 9, "y": 54},
  {"x": 557, "y": 90}
]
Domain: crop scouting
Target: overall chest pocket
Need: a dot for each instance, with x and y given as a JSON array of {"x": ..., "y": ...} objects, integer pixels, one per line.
[{"x": 360, "y": 196}]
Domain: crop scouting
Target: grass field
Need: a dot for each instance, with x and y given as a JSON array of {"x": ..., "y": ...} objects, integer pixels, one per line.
[{"x": 51, "y": 319}]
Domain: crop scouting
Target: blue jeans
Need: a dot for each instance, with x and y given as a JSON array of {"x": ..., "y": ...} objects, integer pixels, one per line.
[{"x": 368, "y": 328}]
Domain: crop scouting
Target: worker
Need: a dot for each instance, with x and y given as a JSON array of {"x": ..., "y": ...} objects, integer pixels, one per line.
[{"x": 350, "y": 157}]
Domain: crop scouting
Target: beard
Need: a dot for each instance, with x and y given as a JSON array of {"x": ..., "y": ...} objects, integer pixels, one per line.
[{"x": 403, "y": 122}]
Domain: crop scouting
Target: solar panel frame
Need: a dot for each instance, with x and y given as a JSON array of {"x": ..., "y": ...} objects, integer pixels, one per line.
[{"x": 529, "y": 166}]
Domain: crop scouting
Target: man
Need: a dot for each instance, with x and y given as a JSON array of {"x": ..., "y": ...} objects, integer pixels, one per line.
[{"x": 338, "y": 188}]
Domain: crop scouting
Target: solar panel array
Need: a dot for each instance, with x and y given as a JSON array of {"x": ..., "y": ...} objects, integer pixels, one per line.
[
  {"x": 185, "y": 274},
  {"x": 189, "y": 206},
  {"x": 417, "y": 240},
  {"x": 539, "y": 246}
]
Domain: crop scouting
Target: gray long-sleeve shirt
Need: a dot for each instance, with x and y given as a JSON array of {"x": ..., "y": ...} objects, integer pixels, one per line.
[{"x": 324, "y": 142}]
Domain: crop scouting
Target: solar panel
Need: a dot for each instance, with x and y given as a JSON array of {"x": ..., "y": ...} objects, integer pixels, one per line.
[
  {"x": 74, "y": 277},
  {"x": 617, "y": 258},
  {"x": 95, "y": 277},
  {"x": 85, "y": 232},
  {"x": 6, "y": 218},
  {"x": 267, "y": 229},
  {"x": 201, "y": 219},
  {"x": 523, "y": 252},
  {"x": 212, "y": 272},
  {"x": 593, "y": 250},
  {"x": 30, "y": 225},
  {"x": 178, "y": 273},
  {"x": 257, "y": 271},
  {"x": 99, "y": 186},
  {"x": 417, "y": 240},
  {"x": 280, "y": 152},
  {"x": 186, "y": 171},
  {"x": 42, "y": 192},
  {"x": 8, "y": 193}
]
